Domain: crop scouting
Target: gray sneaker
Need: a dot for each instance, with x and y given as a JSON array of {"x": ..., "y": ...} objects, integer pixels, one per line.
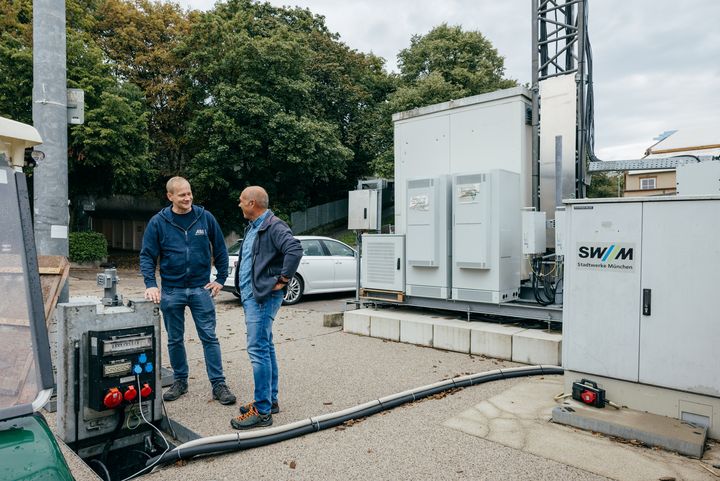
[
  {"x": 222, "y": 393},
  {"x": 251, "y": 419},
  {"x": 178, "y": 388},
  {"x": 274, "y": 408}
]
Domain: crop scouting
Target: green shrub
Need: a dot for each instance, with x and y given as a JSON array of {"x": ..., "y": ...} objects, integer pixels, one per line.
[{"x": 87, "y": 246}]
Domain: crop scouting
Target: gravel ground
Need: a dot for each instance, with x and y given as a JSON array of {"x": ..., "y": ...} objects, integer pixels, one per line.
[{"x": 324, "y": 370}]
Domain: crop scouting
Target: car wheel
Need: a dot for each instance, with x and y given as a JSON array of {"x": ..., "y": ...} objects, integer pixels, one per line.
[{"x": 294, "y": 291}]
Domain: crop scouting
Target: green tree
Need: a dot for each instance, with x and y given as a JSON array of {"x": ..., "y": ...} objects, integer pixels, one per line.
[
  {"x": 16, "y": 62},
  {"x": 444, "y": 64},
  {"x": 464, "y": 59},
  {"x": 109, "y": 153},
  {"x": 139, "y": 39},
  {"x": 606, "y": 184},
  {"x": 280, "y": 102}
]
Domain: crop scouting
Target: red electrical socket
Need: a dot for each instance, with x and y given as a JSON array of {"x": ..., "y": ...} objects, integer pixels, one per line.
[{"x": 113, "y": 398}]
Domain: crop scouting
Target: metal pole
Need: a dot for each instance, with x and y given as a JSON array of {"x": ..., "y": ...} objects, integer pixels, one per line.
[
  {"x": 49, "y": 110},
  {"x": 535, "y": 89},
  {"x": 581, "y": 87},
  {"x": 358, "y": 243}
]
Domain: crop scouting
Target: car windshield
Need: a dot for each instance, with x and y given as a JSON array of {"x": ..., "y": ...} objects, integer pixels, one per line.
[{"x": 234, "y": 249}]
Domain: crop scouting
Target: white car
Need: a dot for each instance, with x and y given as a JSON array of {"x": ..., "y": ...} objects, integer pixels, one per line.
[{"x": 327, "y": 265}]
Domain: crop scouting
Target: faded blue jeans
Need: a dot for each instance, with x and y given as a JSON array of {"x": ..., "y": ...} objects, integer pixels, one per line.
[
  {"x": 172, "y": 304},
  {"x": 259, "y": 319}
]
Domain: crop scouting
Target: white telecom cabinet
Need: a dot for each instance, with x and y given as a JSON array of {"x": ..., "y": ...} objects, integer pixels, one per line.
[
  {"x": 641, "y": 295},
  {"x": 473, "y": 134},
  {"x": 701, "y": 178},
  {"x": 427, "y": 237},
  {"x": 383, "y": 262},
  {"x": 486, "y": 236},
  {"x": 363, "y": 210}
]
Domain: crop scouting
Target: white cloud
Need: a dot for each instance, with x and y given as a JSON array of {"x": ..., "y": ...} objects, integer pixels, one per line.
[{"x": 655, "y": 61}]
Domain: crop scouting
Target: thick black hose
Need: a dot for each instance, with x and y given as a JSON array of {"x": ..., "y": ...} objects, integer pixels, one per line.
[{"x": 313, "y": 426}]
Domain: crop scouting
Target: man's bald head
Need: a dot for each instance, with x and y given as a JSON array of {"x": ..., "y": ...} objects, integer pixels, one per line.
[
  {"x": 253, "y": 202},
  {"x": 180, "y": 194},
  {"x": 258, "y": 194},
  {"x": 175, "y": 183}
]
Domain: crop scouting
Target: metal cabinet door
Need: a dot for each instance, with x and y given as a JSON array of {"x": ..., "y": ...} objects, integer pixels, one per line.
[
  {"x": 681, "y": 260},
  {"x": 602, "y": 304}
]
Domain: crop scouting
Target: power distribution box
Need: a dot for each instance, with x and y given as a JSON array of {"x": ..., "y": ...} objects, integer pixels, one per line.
[
  {"x": 117, "y": 359},
  {"x": 486, "y": 236},
  {"x": 641, "y": 299},
  {"x": 383, "y": 262},
  {"x": 533, "y": 232},
  {"x": 427, "y": 242},
  {"x": 363, "y": 210}
]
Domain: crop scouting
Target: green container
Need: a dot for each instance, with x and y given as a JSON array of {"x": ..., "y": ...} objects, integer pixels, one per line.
[{"x": 29, "y": 451}]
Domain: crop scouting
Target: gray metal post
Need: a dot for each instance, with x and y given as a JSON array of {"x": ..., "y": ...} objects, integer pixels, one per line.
[
  {"x": 535, "y": 89},
  {"x": 51, "y": 213},
  {"x": 358, "y": 243},
  {"x": 580, "y": 181}
]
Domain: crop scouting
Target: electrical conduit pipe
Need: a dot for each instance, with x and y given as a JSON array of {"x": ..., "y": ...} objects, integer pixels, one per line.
[{"x": 224, "y": 443}]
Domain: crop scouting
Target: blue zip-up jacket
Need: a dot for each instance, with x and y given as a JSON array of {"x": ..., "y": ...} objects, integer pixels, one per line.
[
  {"x": 184, "y": 256},
  {"x": 276, "y": 252}
]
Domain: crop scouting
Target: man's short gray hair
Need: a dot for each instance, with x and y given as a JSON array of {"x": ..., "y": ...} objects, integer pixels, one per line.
[
  {"x": 174, "y": 182},
  {"x": 259, "y": 195}
]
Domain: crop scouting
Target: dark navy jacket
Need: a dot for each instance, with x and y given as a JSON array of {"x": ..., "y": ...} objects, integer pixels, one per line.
[
  {"x": 276, "y": 252},
  {"x": 184, "y": 255}
]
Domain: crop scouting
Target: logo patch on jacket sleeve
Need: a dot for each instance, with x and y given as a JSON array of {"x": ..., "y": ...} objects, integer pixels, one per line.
[{"x": 200, "y": 232}]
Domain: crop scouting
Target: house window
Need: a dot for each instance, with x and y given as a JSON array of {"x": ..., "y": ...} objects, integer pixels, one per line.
[{"x": 648, "y": 183}]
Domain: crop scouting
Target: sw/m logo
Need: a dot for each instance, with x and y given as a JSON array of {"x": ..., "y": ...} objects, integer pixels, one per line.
[
  {"x": 606, "y": 256},
  {"x": 612, "y": 252}
]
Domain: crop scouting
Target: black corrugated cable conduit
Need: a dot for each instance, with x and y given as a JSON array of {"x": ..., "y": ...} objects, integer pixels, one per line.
[{"x": 246, "y": 440}]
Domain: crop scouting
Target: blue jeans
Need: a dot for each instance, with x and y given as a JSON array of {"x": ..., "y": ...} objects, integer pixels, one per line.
[
  {"x": 172, "y": 304},
  {"x": 259, "y": 318}
]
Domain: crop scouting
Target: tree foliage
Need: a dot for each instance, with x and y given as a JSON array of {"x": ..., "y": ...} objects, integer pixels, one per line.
[
  {"x": 245, "y": 93},
  {"x": 281, "y": 103},
  {"x": 109, "y": 153},
  {"x": 444, "y": 64},
  {"x": 611, "y": 184}
]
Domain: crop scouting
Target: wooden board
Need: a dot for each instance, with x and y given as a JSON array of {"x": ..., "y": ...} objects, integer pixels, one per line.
[{"x": 54, "y": 271}]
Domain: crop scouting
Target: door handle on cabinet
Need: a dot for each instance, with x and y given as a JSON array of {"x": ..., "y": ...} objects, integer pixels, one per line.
[{"x": 646, "y": 302}]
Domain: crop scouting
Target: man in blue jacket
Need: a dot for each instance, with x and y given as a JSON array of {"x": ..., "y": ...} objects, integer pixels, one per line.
[
  {"x": 185, "y": 238},
  {"x": 269, "y": 257}
]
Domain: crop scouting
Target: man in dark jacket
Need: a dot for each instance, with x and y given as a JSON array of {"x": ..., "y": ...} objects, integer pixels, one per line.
[
  {"x": 185, "y": 238},
  {"x": 268, "y": 258}
]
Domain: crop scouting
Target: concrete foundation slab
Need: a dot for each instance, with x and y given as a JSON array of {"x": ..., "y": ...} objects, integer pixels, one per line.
[
  {"x": 492, "y": 340},
  {"x": 357, "y": 322},
  {"x": 537, "y": 347},
  {"x": 385, "y": 328},
  {"x": 629, "y": 424},
  {"x": 518, "y": 418},
  {"x": 416, "y": 331},
  {"x": 697, "y": 409},
  {"x": 451, "y": 335}
]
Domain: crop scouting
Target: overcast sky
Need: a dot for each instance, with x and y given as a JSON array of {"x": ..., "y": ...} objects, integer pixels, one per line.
[{"x": 656, "y": 65}]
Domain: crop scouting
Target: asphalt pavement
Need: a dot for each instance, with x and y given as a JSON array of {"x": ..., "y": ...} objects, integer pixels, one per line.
[{"x": 323, "y": 370}]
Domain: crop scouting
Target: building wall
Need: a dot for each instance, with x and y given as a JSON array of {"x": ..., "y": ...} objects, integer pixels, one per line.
[
  {"x": 665, "y": 183},
  {"x": 123, "y": 234}
]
